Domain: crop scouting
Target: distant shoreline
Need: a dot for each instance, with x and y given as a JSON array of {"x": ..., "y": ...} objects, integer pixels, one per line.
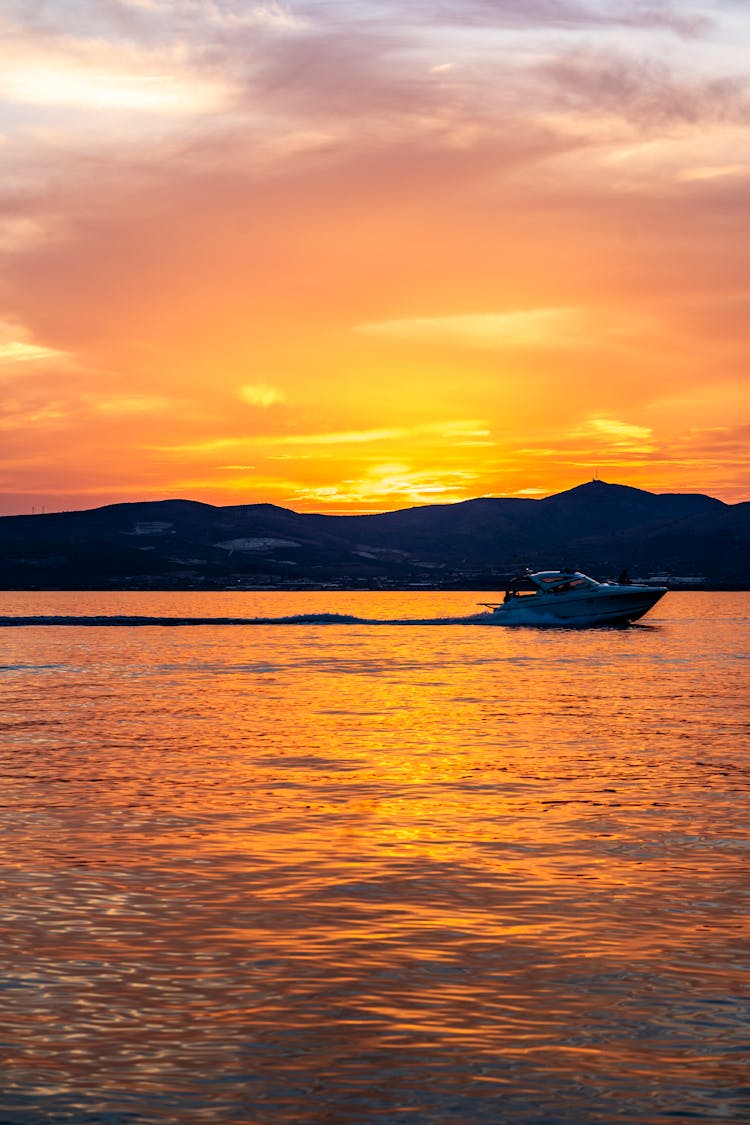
[{"x": 682, "y": 541}]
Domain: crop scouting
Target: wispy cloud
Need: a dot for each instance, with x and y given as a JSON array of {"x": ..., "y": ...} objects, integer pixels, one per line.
[
  {"x": 643, "y": 89},
  {"x": 391, "y": 484},
  {"x": 343, "y": 437},
  {"x": 18, "y": 351},
  {"x": 572, "y": 14},
  {"x": 261, "y": 394},
  {"x": 150, "y": 20},
  {"x": 117, "y": 405},
  {"x": 42, "y": 417},
  {"x": 211, "y": 445},
  {"x": 524, "y": 328},
  {"x": 443, "y": 430},
  {"x": 618, "y": 435},
  {"x": 98, "y": 76},
  {"x": 610, "y": 427},
  {"x": 459, "y": 431},
  {"x": 714, "y": 172}
]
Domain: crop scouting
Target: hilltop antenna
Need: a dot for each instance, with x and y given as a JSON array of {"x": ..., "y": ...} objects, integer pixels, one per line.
[{"x": 596, "y": 473}]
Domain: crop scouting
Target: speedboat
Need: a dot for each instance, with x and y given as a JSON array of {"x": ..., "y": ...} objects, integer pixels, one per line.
[{"x": 565, "y": 597}]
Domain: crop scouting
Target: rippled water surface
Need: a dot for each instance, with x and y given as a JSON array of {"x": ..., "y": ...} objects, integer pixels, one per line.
[{"x": 345, "y": 873}]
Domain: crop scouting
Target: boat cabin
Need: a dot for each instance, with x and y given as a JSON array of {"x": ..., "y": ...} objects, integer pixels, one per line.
[{"x": 562, "y": 582}]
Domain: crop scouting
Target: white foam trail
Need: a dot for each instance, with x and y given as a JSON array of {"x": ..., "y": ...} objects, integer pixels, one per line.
[
  {"x": 534, "y": 620},
  {"x": 295, "y": 619}
]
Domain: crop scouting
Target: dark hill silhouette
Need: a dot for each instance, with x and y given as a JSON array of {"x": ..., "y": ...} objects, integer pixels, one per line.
[{"x": 597, "y": 527}]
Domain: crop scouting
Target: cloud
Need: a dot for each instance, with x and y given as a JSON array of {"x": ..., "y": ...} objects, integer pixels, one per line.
[
  {"x": 714, "y": 172},
  {"x": 350, "y": 437},
  {"x": 87, "y": 74},
  {"x": 573, "y": 14},
  {"x": 272, "y": 84},
  {"x": 278, "y": 17},
  {"x": 21, "y": 233},
  {"x": 261, "y": 394},
  {"x": 447, "y": 431},
  {"x": 321, "y": 69},
  {"x": 210, "y": 445},
  {"x": 42, "y": 418},
  {"x": 620, "y": 437},
  {"x": 17, "y": 351},
  {"x": 525, "y": 328},
  {"x": 149, "y": 21},
  {"x": 391, "y": 484},
  {"x": 643, "y": 89},
  {"x": 130, "y": 404},
  {"x": 621, "y": 430}
]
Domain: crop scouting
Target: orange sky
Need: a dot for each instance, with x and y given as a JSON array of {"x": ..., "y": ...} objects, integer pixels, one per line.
[{"x": 348, "y": 256}]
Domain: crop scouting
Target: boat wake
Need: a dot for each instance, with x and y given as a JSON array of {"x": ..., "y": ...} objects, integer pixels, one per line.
[
  {"x": 295, "y": 619},
  {"x": 535, "y": 620}
]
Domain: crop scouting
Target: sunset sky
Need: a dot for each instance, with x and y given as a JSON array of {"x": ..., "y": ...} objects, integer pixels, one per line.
[{"x": 353, "y": 256}]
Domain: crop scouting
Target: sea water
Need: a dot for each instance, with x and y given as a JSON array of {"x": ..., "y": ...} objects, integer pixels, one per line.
[{"x": 351, "y": 874}]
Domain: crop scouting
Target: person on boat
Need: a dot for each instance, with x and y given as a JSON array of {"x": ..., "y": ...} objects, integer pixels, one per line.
[
  {"x": 624, "y": 579},
  {"x": 512, "y": 590}
]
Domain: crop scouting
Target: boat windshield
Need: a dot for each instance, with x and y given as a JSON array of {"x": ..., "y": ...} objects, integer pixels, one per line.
[{"x": 558, "y": 582}]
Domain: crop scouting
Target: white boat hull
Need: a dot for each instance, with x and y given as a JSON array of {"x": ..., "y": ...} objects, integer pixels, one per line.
[{"x": 605, "y": 605}]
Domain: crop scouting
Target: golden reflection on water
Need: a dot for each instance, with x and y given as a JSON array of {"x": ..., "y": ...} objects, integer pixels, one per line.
[{"x": 361, "y": 874}]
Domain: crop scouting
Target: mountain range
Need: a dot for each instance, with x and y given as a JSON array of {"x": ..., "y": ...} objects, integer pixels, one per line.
[{"x": 596, "y": 527}]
